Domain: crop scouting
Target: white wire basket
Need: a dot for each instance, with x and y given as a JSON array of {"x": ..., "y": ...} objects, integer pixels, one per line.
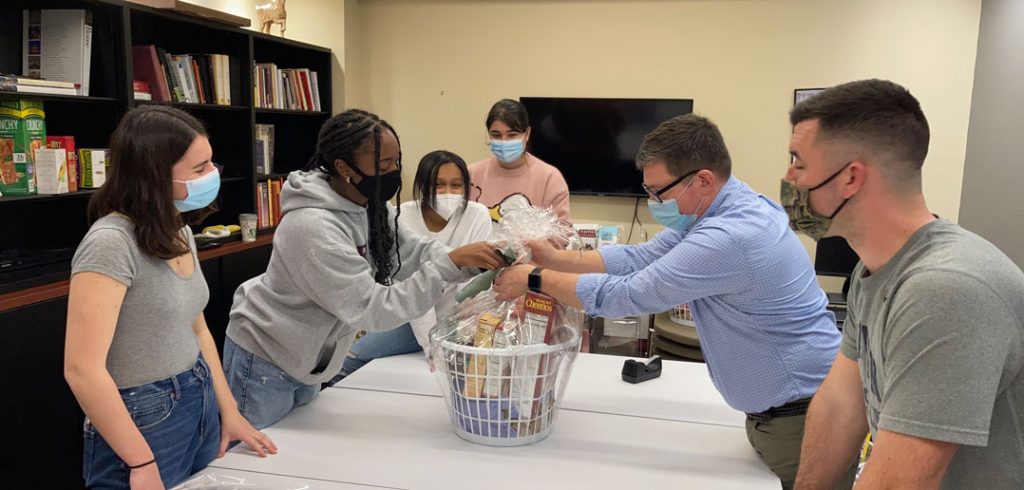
[
  {"x": 508, "y": 396},
  {"x": 682, "y": 315}
]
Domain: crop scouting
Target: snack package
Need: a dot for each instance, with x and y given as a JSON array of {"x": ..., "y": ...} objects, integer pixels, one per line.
[
  {"x": 476, "y": 369},
  {"x": 22, "y": 131},
  {"x": 588, "y": 235},
  {"x": 94, "y": 167}
]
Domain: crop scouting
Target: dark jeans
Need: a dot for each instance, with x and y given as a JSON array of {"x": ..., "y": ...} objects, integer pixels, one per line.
[{"x": 178, "y": 417}]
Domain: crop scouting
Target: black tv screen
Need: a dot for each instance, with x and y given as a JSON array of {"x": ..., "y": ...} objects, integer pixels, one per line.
[
  {"x": 594, "y": 141},
  {"x": 834, "y": 257}
]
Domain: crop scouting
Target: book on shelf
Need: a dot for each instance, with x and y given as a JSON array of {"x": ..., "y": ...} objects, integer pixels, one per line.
[
  {"x": 25, "y": 85},
  {"x": 22, "y": 131},
  {"x": 268, "y": 203},
  {"x": 141, "y": 90},
  {"x": 264, "y": 151},
  {"x": 294, "y": 89},
  {"x": 148, "y": 68},
  {"x": 186, "y": 78},
  {"x": 57, "y": 45}
]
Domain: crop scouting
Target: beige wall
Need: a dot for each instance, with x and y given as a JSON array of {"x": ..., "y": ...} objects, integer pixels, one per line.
[
  {"x": 319, "y": 22},
  {"x": 433, "y": 68}
]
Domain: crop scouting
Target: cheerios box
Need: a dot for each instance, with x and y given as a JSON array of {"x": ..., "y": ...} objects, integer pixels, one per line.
[{"x": 22, "y": 131}]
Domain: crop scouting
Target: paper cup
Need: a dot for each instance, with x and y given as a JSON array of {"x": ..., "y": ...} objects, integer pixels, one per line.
[{"x": 247, "y": 221}]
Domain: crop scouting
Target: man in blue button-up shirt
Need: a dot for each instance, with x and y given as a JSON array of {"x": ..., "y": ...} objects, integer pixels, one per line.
[{"x": 729, "y": 253}]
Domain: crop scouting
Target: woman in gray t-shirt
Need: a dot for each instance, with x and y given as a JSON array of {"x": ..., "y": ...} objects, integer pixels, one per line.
[{"x": 138, "y": 354}]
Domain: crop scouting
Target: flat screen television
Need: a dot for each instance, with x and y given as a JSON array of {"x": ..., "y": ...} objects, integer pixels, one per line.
[
  {"x": 593, "y": 142},
  {"x": 834, "y": 257}
]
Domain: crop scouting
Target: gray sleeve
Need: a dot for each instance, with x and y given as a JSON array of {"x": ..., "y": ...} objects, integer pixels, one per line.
[
  {"x": 947, "y": 339},
  {"x": 849, "y": 346},
  {"x": 106, "y": 251},
  {"x": 340, "y": 281}
]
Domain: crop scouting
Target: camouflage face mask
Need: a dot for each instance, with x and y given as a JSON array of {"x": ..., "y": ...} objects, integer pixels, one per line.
[{"x": 797, "y": 203}]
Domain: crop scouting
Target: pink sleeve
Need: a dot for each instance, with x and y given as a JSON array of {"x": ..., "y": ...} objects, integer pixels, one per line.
[{"x": 558, "y": 195}]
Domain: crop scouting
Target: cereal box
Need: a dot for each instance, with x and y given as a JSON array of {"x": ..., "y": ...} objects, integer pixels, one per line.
[{"x": 22, "y": 131}]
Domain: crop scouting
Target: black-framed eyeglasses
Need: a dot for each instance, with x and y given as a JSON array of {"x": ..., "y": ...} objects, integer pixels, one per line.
[{"x": 656, "y": 196}]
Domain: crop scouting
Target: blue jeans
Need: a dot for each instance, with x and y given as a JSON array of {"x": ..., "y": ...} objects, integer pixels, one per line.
[
  {"x": 375, "y": 345},
  {"x": 180, "y": 421},
  {"x": 265, "y": 393}
]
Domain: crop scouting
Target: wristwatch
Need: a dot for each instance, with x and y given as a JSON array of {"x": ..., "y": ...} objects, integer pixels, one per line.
[{"x": 534, "y": 281}]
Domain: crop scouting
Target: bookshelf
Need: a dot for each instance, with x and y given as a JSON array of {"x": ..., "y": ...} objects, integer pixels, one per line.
[
  {"x": 33, "y": 306},
  {"x": 117, "y": 26}
]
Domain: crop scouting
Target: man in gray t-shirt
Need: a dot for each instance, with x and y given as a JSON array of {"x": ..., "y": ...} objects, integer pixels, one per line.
[{"x": 933, "y": 347}]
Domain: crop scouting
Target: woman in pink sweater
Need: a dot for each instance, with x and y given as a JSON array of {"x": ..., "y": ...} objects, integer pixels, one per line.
[{"x": 512, "y": 177}]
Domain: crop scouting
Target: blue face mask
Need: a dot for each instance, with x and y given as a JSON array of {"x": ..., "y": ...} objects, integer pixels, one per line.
[
  {"x": 201, "y": 192},
  {"x": 508, "y": 151},
  {"x": 667, "y": 213}
]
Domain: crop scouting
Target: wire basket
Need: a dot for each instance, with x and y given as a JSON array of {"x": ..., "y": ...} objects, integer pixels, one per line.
[
  {"x": 682, "y": 315},
  {"x": 508, "y": 396}
]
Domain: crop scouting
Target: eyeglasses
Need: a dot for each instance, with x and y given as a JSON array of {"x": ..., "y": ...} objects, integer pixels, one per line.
[{"x": 656, "y": 196}]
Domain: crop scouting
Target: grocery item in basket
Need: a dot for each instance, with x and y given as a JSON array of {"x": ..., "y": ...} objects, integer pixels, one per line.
[
  {"x": 476, "y": 368},
  {"x": 498, "y": 368},
  {"x": 538, "y": 319}
]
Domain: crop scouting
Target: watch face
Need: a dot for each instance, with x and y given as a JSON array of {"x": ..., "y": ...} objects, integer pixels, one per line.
[{"x": 533, "y": 283}]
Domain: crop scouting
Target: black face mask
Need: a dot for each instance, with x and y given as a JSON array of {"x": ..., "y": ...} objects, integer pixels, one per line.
[{"x": 389, "y": 184}]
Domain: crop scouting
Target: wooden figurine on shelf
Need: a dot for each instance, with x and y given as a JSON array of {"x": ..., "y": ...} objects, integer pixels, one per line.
[{"x": 272, "y": 13}]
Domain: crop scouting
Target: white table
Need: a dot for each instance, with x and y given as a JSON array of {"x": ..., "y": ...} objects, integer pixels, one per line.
[
  {"x": 403, "y": 440},
  {"x": 227, "y": 479},
  {"x": 684, "y": 391}
]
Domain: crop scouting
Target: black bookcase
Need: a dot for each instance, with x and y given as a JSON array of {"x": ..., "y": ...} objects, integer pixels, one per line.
[
  {"x": 42, "y": 425},
  {"x": 43, "y": 222}
]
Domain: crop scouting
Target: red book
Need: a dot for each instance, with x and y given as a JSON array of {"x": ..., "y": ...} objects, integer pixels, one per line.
[
  {"x": 147, "y": 68},
  {"x": 199, "y": 82},
  {"x": 307, "y": 92}
]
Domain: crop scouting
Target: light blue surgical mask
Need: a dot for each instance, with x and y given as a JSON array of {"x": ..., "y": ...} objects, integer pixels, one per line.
[
  {"x": 508, "y": 151},
  {"x": 201, "y": 192},
  {"x": 667, "y": 213}
]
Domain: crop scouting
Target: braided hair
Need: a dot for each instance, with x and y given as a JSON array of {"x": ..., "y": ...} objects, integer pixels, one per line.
[{"x": 340, "y": 137}]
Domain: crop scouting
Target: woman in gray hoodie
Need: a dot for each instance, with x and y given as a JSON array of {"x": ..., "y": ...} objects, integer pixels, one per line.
[{"x": 339, "y": 265}]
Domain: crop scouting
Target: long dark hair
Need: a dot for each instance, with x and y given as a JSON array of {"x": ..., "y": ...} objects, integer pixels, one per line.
[
  {"x": 145, "y": 146},
  {"x": 425, "y": 183},
  {"x": 340, "y": 137},
  {"x": 511, "y": 112}
]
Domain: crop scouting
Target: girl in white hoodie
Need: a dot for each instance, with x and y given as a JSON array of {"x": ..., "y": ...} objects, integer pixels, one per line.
[{"x": 441, "y": 210}]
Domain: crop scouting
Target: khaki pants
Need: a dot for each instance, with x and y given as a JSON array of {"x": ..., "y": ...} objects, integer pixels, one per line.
[{"x": 778, "y": 441}]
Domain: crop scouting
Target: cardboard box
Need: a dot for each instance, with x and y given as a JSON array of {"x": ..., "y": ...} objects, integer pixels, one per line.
[
  {"x": 22, "y": 131},
  {"x": 51, "y": 171},
  {"x": 68, "y": 144},
  {"x": 476, "y": 368},
  {"x": 94, "y": 167},
  {"x": 588, "y": 235}
]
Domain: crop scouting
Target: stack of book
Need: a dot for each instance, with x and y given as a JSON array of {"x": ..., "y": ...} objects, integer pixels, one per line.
[
  {"x": 294, "y": 89},
  {"x": 264, "y": 150},
  {"x": 268, "y": 203},
  {"x": 25, "y": 85},
  {"x": 57, "y": 45},
  {"x": 188, "y": 78}
]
